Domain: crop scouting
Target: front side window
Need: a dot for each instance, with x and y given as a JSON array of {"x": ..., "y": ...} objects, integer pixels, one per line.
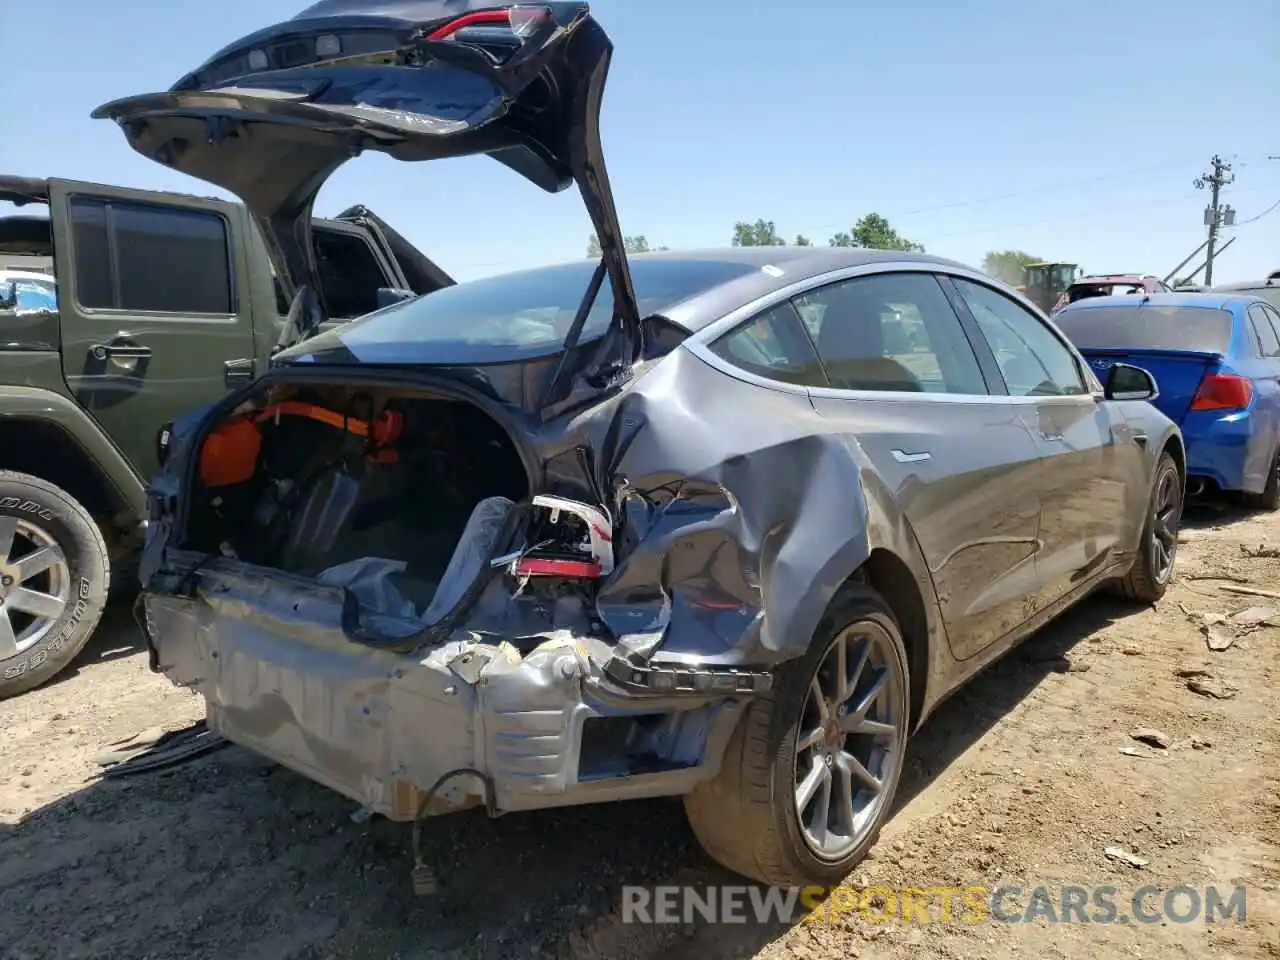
[
  {"x": 891, "y": 332},
  {"x": 350, "y": 275},
  {"x": 147, "y": 258},
  {"x": 1034, "y": 362}
]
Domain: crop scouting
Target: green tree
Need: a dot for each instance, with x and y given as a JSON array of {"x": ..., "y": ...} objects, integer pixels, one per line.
[
  {"x": 636, "y": 244},
  {"x": 1008, "y": 265},
  {"x": 762, "y": 233},
  {"x": 874, "y": 232},
  {"x": 803, "y": 241}
]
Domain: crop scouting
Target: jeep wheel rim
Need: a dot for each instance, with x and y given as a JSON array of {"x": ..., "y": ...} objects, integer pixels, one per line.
[
  {"x": 849, "y": 742},
  {"x": 35, "y": 584}
]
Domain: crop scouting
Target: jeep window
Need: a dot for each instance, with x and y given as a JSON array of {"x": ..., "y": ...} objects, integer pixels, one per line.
[
  {"x": 147, "y": 258},
  {"x": 350, "y": 275}
]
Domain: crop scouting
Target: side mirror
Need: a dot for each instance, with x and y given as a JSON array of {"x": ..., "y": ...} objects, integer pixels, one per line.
[
  {"x": 8, "y": 295},
  {"x": 1127, "y": 382},
  {"x": 389, "y": 295}
]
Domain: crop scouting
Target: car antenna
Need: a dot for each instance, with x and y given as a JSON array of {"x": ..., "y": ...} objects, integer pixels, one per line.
[{"x": 575, "y": 331}]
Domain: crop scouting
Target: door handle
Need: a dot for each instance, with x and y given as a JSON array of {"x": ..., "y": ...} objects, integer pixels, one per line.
[
  {"x": 119, "y": 351},
  {"x": 238, "y": 371}
]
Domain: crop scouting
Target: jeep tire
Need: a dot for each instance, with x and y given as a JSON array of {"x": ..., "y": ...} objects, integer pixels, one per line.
[{"x": 50, "y": 607}]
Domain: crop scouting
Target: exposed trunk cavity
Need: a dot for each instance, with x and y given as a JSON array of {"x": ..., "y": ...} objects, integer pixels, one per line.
[{"x": 398, "y": 496}]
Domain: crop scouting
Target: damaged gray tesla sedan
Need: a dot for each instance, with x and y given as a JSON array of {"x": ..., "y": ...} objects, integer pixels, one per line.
[{"x": 726, "y": 525}]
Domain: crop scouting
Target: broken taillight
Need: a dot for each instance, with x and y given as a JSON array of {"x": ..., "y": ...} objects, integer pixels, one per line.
[
  {"x": 583, "y": 550},
  {"x": 1223, "y": 391}
]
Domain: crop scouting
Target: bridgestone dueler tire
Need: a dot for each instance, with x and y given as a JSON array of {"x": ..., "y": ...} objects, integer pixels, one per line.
[
  {"x": 67, "y": 522},
  {"x": 744, "y": 817}
]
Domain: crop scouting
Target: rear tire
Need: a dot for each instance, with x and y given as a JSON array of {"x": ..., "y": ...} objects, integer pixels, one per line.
[
  {"x": 1269, "y": 498},
  {"x": 38, "y": 638},
  {"x": 1152, "y": 570},
  {"x": 749, "y": 817}
]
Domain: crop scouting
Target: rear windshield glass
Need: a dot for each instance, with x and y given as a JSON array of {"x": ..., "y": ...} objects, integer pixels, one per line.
[
  {"x": 1201, "y": 329},
  {"x": 517, "y": 315}
]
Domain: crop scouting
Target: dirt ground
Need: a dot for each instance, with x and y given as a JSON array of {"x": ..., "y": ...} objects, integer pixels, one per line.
[{"x": 1025, "y": 777}]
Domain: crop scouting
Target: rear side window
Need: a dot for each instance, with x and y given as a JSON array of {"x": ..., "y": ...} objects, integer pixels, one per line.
[
  {"x": 773, "y": 346},
  {"x": 151, "y": 259},
  {"x": 1147, "y": 327},
  {"x": 891, "y": 332},
  {"x": 1267, "y": 339}
]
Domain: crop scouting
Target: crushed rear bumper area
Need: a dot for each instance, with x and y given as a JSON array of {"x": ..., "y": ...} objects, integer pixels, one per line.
[{"x": 473, "y": 716}]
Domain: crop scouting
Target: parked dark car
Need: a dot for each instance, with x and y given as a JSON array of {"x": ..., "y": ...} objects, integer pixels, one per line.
[
  {"x": 1268, "y": 289},
  {"x": 1216, "y": 360},
  {"x": 723, "y": 524}
]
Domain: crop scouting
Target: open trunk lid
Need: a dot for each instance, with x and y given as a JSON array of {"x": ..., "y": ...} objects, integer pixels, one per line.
[{"x": 273, "y": 115}]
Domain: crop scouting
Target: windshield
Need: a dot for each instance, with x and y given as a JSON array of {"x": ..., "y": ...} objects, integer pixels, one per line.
[
  {"x": 516, "y": 315},
  {"x": 1200, "y": 329}
]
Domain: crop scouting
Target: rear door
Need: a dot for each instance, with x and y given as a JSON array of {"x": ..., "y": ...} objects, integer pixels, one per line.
[
  {"x": 155, "y": 306},
  {"x": 903, "y": 384},
  {"x": 1093, "y": 479},
  {"x": 1265, "y": 373}
]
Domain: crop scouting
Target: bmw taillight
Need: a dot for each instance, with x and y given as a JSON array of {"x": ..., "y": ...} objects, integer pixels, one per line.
[{"x": 1223, "y": 391}]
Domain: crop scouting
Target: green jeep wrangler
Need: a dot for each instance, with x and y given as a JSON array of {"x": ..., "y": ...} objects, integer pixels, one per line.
[{"x": 164, "y": 303}]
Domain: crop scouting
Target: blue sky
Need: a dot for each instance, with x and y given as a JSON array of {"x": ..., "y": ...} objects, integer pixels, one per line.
[{"x": 1072, "y": 131}]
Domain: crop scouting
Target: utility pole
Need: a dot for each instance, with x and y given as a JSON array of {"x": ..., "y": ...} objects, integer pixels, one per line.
[{"x": 1215, "y": 215}]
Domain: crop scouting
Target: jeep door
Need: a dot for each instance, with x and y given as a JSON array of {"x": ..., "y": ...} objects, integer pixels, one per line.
[{"x": 155, "y": 306}]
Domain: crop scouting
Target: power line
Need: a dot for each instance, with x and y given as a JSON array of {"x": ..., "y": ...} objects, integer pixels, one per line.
[
  {"x": 1241, "y": 223},
  {"x": 995, "y": 198}
]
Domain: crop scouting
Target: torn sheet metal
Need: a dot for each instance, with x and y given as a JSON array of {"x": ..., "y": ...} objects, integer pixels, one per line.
[{"x": 282, "y": 678}]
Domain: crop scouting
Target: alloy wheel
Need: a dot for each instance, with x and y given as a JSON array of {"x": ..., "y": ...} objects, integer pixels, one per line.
[
  {"x": 35, "y": 585},
  {"x": 851, "y": 733},
  {"x": 1166, "y": 514}
]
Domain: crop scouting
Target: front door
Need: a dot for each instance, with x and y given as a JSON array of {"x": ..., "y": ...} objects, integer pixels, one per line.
[
  {"x": 1092, "y": 468},
  {"x": 909, "y": 390},
  {"x": 155, "y": 307}
]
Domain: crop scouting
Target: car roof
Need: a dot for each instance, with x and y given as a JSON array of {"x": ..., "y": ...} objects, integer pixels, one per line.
[
  {"x": 775, "y": 268},
  {"x": 1112, "y": 278},
  {"x": 27, "y": 275},
  {"x": 1207, "y": 300},
  {"x": 1268, "y": 284}
]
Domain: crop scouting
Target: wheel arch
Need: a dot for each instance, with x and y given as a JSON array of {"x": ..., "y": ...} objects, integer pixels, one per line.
[{"x": 46, "y": 435}]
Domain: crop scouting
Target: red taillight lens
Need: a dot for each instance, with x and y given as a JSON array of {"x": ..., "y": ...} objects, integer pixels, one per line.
[
  {"x": 1223, "y": 391},
  {"x": 553, "y": 567}
]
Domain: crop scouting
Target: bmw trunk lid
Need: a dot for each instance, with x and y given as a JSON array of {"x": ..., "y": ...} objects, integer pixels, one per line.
[{"x": 273, "y": 115}]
